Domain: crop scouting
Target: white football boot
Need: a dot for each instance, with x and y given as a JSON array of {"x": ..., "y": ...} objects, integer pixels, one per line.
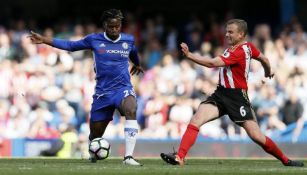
[{"x": 129, "y": 160}]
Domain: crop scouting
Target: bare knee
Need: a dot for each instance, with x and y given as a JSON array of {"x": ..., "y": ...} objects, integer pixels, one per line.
[
  {"x": 204, "y": 114},
  {"x": 128, "y": 108},
  {"x": 130, "y": 113}
]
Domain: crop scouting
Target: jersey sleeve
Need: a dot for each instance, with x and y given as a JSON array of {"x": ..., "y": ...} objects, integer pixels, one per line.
[
  {"x": 255, "y": 52},
  {"x": 230, "y": 58},
  {"x": 72, "y": 45},
  {"x": 133, "y": 55}
]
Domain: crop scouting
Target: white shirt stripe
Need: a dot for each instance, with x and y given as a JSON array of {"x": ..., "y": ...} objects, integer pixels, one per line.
[
  {"x": 247, "y": 52},
  {"x": 230, "y": 78},
  {"x": 222, "y": 76}
]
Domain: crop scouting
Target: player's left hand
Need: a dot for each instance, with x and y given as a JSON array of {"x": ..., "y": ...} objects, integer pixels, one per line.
[
  {"x": 267, "y": 76},
  {"x": 270, "y": 75},
  {"x": 136, "y": 70}
]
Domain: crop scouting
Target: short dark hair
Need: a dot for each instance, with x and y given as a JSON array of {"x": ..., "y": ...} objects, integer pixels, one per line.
[
  {"x": 242, "y": 25},
  {"x": 111, "y": 14}
]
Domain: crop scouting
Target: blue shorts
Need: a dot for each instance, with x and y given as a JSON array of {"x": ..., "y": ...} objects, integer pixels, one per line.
[{"x": 104, "y": 105}]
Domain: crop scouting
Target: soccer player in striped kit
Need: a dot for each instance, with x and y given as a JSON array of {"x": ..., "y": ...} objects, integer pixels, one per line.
[
  {"x": 230, "y": 97},
  {"x": 112, "y": 51}
]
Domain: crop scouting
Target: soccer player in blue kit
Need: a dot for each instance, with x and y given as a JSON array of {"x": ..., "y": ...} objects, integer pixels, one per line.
[{"x": 112, "y": 51}]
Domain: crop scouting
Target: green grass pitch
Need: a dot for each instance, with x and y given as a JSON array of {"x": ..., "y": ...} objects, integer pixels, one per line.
[{"x": 152, "y": 166}]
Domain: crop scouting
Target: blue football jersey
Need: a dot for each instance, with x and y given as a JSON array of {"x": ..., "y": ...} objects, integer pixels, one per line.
[{"x": 111, "y": 58}]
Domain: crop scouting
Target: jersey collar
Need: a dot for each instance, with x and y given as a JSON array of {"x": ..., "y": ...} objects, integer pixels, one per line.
[
  {"x": 109, "y": 39},
  {"x": 236, "y": 46}
]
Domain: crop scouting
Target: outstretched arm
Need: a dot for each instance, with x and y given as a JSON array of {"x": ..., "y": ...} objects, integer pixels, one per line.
[
  {"x": 59, "y": 43},
  {"x": 266, "y": 66},
  {"x": 205, "y": 61}
]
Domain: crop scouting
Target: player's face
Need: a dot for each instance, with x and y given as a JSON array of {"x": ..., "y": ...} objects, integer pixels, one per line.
[
  {"x": 112, "y": 28},
  {"x": 233, "y": 35}
]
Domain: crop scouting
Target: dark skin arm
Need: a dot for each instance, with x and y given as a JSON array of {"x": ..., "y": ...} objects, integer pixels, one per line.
[{"x": 39, "y": 39}]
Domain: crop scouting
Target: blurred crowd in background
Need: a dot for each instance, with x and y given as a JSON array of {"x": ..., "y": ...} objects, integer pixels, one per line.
[{"x": 46, "y": 93}]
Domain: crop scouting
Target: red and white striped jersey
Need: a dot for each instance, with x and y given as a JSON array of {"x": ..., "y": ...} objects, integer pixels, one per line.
[{"x": 237, "y": 60}]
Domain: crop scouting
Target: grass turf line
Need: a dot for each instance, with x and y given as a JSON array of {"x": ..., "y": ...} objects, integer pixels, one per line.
[{"x": 53, "y": 166}]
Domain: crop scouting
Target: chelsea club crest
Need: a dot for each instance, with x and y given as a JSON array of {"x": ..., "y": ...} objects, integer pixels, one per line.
[{"x": 125, "y": 45}]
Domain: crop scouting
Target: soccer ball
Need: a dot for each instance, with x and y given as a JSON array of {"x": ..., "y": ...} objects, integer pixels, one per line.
[{"x": 99, "y": 148}]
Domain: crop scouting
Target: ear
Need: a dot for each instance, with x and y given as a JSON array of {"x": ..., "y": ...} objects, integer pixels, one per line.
[{"x": 242, "y": 34}]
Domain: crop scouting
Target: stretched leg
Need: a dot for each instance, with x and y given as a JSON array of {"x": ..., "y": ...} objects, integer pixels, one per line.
[
  {"x": 252, "y": 129},
  {"x": 128, "y": 109},
  {"x": 204, "y": 114}
]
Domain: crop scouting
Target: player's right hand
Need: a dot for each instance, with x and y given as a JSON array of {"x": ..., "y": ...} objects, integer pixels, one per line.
[
  {"x": 36, "y": 38},
  {"x": 184, "y": 49}
]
